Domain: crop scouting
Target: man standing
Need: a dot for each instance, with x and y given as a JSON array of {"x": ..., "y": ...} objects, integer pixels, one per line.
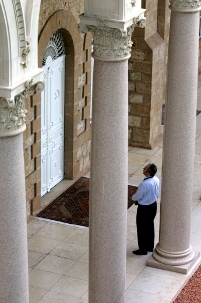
[{"x": 145, "y": 198}]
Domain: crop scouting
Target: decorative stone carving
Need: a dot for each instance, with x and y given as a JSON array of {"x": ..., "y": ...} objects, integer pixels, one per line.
[
  {"x": 112, "y": 44},
  {"x": 38, "y": 87},
  {"x": 140, "y": 22},
  {"x": 133, "y": 2},
  {"x": 24, "y": 45},
  {"x": 13, "y": 112},
  {"x": 25, "y": 53},
  {"x": 185, "y": 5}
]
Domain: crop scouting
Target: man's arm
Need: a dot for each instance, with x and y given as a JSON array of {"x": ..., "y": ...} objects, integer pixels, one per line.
[{"x": 139, "y": 193}]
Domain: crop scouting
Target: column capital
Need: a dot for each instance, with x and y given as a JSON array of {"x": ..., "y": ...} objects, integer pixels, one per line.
[
  {"x": 13, "y": 112},
  {"x": 185, "y": 6},
  {"x": 109, "y": 43}
]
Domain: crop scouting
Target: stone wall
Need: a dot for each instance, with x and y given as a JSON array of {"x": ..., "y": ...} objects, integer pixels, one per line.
[
  {"x": 49, "y": 7},
  {"x": 147, "y": 80},
  {"x": 32, "y": 137}
]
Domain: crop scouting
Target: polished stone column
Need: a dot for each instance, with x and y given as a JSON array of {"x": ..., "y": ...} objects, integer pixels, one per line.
[
  {"x": 108, "y": 182},
  {"x": 174, "y": 251},
  {"x": 13, "y": 247},
  {"x": 109, "y": 164},
  {"x": 13, "y": 218}
]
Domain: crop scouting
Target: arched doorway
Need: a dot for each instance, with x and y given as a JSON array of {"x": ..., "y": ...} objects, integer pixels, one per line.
[
  {"x": 52, "y": 114},
  {"x": 77, "y": 129}
]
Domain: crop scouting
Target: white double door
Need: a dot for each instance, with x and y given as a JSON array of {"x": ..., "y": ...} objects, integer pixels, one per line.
[{"x": 52, "y": 124}]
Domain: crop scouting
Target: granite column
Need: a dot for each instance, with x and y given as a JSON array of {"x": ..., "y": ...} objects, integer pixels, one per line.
[
  {"x": 108, "y": 183},
  {"x": 109, "y": 164},
  {"x": 174, "y": 251},
  {"x": 14, "y": 286}
]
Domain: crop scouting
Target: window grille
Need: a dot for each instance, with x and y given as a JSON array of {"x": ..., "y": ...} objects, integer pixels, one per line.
[{"x": 55, "y": 47}]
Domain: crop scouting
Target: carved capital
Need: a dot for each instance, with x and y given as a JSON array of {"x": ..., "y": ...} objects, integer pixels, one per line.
[
  {"x": 13, "y": 112},
  {"x": 185, "y": 5},
  {"x": 110, "y": 44}
]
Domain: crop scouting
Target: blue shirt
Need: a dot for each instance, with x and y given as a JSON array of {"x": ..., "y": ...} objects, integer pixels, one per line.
[{"x": 147, "y": 192}]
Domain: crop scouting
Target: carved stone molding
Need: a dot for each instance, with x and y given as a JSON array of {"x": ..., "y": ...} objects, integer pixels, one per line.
[
  {"x": 185, "y": 5},
  {"x": 13, "y": 112},
  {"x": 24, "y": 45}
]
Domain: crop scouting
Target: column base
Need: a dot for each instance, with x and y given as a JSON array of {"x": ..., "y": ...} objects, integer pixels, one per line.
[{"x": 183, "y": 269}]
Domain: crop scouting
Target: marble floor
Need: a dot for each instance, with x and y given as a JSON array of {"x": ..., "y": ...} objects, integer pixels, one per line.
[{"x": 58, "y": 253}]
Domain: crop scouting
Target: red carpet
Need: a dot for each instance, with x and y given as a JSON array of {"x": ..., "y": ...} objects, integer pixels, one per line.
[{"x": 72, "y": 206}]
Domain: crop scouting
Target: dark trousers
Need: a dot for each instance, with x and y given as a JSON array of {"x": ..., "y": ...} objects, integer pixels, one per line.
[{"x": 145, "y": 226}]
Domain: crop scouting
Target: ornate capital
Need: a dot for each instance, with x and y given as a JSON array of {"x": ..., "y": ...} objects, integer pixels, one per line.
[
  {"x": 13, "y": 112},
  {"x": 110, "y": 44},
  {"x": 185, "y": 5}
]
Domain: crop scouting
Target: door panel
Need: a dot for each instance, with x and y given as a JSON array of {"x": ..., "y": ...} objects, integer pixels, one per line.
[{"x": 52, "y": 124}]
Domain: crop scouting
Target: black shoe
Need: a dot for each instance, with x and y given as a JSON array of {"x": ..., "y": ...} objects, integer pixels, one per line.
[{"x": 139, "y": 252}]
